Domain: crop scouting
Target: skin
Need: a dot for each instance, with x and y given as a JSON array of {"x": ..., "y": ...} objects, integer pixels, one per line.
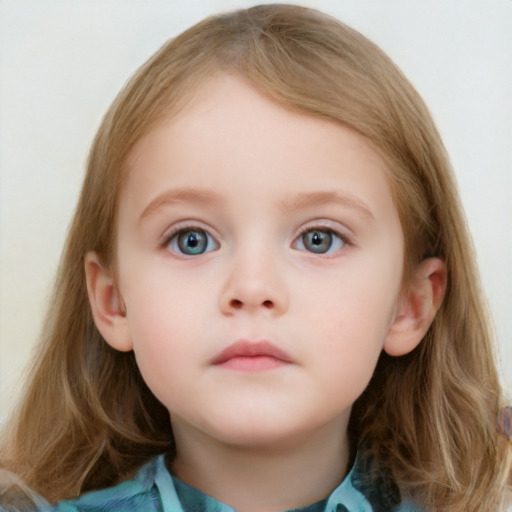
[{"x": 256, "y": 177}]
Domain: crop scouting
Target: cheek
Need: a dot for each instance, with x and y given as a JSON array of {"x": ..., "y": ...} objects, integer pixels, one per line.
[
  {"x": 347, "y": 353},
  {"x": 362, "y": 298},
  {"x": 162, "y": 319},
  {"x": 159, "y": 304},
  {"x": 164, "y": 351},
  {"x": 350, "y": 315}
]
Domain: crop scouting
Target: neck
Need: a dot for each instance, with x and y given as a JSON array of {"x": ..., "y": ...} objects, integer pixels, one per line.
[{"x": 263, "y": 479}]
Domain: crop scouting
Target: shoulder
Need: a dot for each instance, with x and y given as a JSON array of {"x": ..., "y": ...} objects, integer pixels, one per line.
[{"x": 140, "y": 493}]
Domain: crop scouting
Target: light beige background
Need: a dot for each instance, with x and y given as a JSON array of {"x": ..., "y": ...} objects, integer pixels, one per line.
[{"x": 62, "y": 62}]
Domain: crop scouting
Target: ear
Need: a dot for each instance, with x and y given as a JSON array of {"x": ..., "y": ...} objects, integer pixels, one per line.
[
  {"x": 106, "y": 304},
  {"x": 417, "y": 308}
]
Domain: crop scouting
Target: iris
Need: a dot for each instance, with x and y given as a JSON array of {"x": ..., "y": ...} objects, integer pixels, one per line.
[{"x": 317, "y": 241}]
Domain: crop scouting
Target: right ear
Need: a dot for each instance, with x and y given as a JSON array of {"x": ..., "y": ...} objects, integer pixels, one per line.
[{"x": 106, "y": 304}]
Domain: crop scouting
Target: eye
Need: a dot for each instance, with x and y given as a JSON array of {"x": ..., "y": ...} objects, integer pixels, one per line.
[
  {"x": 191, "y": 242},
  {"x": 319, "y": 241}
]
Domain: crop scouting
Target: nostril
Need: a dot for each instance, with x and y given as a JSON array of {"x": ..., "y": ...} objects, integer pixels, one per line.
[{"x": 236, "y": 304}]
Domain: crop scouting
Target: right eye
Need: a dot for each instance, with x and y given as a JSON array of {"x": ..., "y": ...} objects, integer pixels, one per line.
[{"x": 191, "y": 242}]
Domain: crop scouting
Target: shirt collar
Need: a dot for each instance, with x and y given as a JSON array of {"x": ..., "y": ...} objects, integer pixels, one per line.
[{"x": 367, "y": 487}]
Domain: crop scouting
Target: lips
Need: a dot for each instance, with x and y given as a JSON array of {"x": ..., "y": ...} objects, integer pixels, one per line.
[{"x": 252, "y": 356}]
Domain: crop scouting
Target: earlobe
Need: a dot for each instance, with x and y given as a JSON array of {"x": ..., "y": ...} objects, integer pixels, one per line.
[
  {"x": 418, "y": 307},
  {"x": 106, "y": 304}
]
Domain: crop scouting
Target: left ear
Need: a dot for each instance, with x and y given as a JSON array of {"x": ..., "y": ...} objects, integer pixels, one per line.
[{"x": 417, "y": 308}]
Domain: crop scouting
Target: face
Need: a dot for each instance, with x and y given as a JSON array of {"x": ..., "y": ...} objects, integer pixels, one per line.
[{"x": 259, "y": 264}]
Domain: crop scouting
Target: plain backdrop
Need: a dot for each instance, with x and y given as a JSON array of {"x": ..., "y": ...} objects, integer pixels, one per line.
[{"x": 63, "y": 61}]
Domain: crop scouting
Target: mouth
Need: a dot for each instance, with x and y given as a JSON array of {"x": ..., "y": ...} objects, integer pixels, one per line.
[{"x": 250, "y": 356}]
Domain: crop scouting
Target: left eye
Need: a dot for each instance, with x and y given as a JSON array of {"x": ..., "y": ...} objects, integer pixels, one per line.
[
  {"x": 192, "y": 242},
  {"x": 319, "y": 241}
]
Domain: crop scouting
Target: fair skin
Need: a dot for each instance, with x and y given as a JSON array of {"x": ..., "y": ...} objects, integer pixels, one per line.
[{"x": 244, "y": 223}]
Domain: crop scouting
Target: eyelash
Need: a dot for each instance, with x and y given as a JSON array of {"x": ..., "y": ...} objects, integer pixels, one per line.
[{"x": 343, "y": 239}]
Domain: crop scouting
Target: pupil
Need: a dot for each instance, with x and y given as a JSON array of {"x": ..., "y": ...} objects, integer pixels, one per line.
[
  {"x": 193, "y": 240},
  {"x": 317, "y": 239}
]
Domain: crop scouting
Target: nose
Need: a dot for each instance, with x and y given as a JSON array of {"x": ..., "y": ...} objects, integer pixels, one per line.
[{"x": 255, "y": 283}]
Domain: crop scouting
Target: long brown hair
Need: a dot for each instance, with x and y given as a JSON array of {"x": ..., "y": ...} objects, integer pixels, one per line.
[{"x": 87, "y": 419}]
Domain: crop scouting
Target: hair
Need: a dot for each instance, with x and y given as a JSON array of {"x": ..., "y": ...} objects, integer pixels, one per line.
[{"x": 87, "y": 419}]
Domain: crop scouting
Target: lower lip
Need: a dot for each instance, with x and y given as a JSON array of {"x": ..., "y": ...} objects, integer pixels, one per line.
[{"x": 253, "y": 363}]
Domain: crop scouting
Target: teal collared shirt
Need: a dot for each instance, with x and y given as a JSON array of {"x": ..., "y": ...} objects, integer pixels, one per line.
[{"x": 154, "y": 489}]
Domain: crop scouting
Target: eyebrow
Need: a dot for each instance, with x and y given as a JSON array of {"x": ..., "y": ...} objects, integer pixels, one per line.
[
  {"x": 192, "y": 195},
  {"x": 308, "y": 199},
  {"x": 300, "y": 201}
]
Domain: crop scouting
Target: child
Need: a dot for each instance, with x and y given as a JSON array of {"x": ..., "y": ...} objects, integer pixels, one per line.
[{"x": 268, "y": 299}]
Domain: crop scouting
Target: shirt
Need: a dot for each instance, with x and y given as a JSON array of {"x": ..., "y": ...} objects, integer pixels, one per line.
[{"x": 154, "y": 489}]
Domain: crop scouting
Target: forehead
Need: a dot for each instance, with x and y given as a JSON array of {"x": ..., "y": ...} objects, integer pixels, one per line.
[{"x": 231, "y": 134}]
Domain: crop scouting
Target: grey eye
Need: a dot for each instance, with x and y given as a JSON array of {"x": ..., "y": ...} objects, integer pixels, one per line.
[{"x": 319, "y": 241}]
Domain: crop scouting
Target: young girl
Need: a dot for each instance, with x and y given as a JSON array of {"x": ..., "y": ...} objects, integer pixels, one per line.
[{"x": 268, "y": 299}]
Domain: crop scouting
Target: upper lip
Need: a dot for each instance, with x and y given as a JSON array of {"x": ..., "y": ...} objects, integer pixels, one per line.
[{"x": 244, "y": 348}]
